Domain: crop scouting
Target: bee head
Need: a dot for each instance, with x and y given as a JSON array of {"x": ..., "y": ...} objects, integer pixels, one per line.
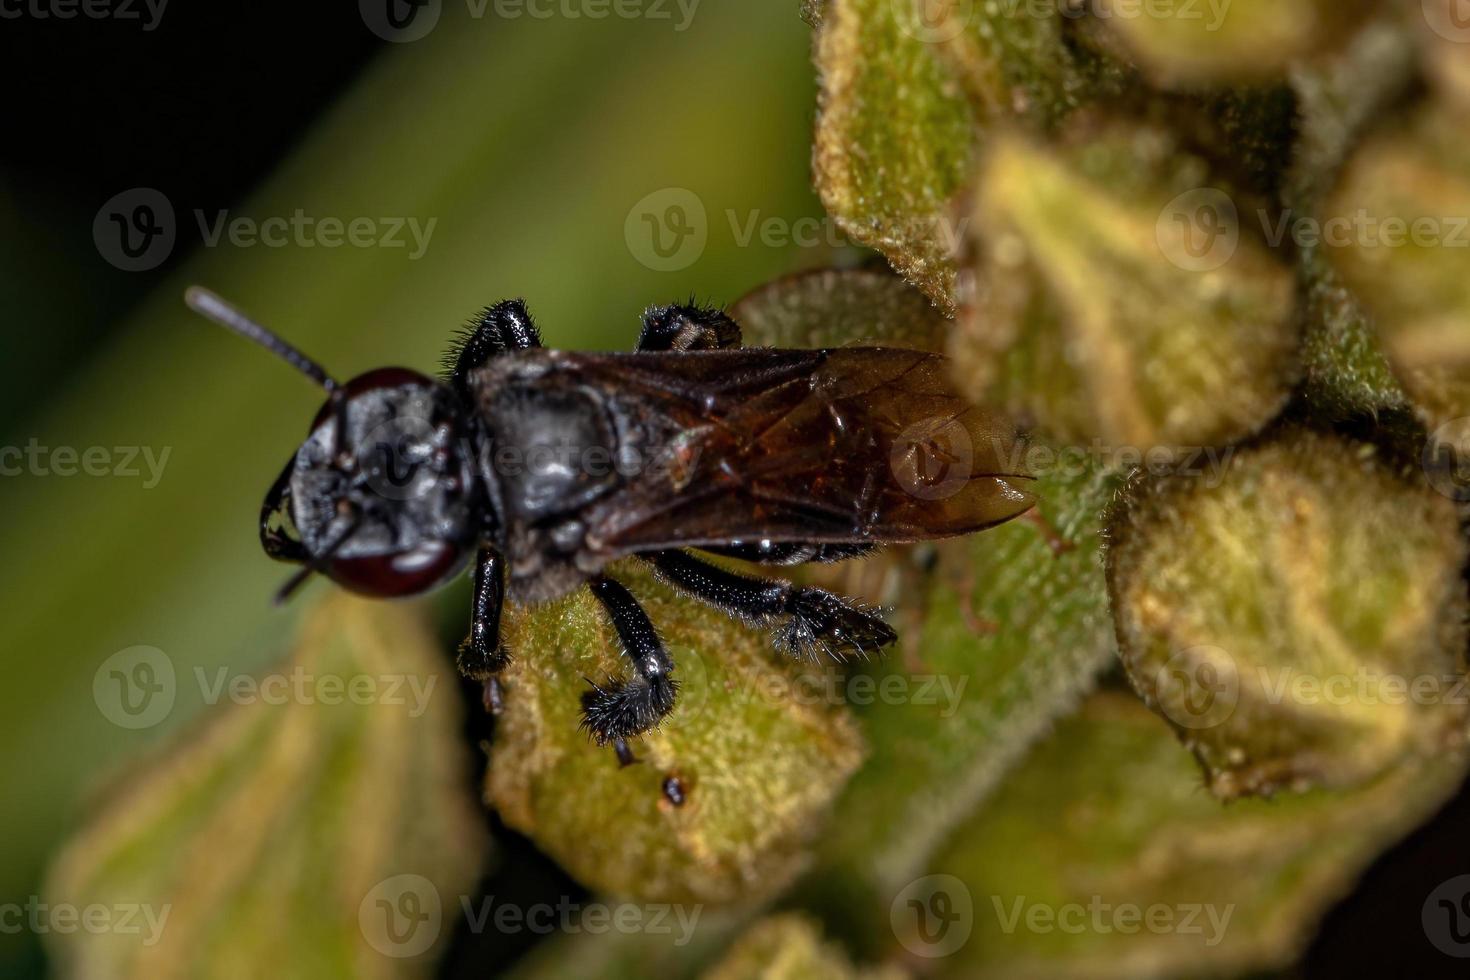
[{"x": 382, "y": 496}]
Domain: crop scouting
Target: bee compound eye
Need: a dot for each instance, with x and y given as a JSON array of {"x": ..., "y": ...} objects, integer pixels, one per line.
[
  {"x": 377, "y": 380},
  {"x": 400, "y": 573}
]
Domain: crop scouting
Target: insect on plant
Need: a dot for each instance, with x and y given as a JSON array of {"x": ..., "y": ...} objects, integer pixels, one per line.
[{"x": 545, "y": 466}]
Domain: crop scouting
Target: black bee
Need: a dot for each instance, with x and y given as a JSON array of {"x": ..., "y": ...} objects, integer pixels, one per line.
[{"x": 547, "y": 465}]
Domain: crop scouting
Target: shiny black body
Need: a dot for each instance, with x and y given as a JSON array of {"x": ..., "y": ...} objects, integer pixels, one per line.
[{"x": 546, "y": 466}]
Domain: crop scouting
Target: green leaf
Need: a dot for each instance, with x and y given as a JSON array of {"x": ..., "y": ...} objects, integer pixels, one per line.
[
  {"x": 1100, "y": 858},
  {"x": 759, "y": 764},
  {"x": 281, "y": 836},
  {"x": 1003, "y": 636}
]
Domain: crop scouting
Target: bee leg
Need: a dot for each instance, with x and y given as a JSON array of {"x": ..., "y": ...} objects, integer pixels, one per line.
[
  {"x": 687, "y": 328},
  {"x": 481, "y": 655},
  {"x": 503, "y": 327},
  {"x": 807, "y": 621},
  {"x": 625, "y": 755},
  {"x": 622, "y": 709}
]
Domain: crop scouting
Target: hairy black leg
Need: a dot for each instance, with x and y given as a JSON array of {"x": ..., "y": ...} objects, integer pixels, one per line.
[
  {"x": 687, "y": 328},
  {"x": 806, "y": 621},
  {"x": 792, "y": 552},
  {"x": 481, "y": 655},
  {"x": 623, "y": 709},
  {"x": 503, "y": 327}
]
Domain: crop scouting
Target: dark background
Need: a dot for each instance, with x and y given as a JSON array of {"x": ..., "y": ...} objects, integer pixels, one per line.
[{"x": 203, "y": 106}]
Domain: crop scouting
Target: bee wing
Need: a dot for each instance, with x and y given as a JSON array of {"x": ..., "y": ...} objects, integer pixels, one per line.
[{"x": 852, "y": 445}]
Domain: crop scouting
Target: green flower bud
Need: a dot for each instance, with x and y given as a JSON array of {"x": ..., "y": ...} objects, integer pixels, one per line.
[
  {"x": 1099, "y": 859},
  {"x": 1346, "y": 373},
  {"x": 839, "y": 308},
  {"x": 1443, "y": 36},
  {"x": 1399, "y": 231},
  {"x": 906, "y": 88},
  {"x": 1121, "y": 297},
  {"x": 790, "y": 947},
  {"x": 757, "y": 750},
  {"x": 893, "y": 140},
  {"x": 1227, "y": 40},
  {"x": 1301, "y": 621}
]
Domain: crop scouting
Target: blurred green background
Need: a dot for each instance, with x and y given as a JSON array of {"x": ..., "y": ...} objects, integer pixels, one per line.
[{"x": 528, "y": 141}]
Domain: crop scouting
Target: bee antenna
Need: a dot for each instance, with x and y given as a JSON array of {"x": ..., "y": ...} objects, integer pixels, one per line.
[
  {"x": 317, "y": 564},
  {"x": 212, "y": 307}
]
